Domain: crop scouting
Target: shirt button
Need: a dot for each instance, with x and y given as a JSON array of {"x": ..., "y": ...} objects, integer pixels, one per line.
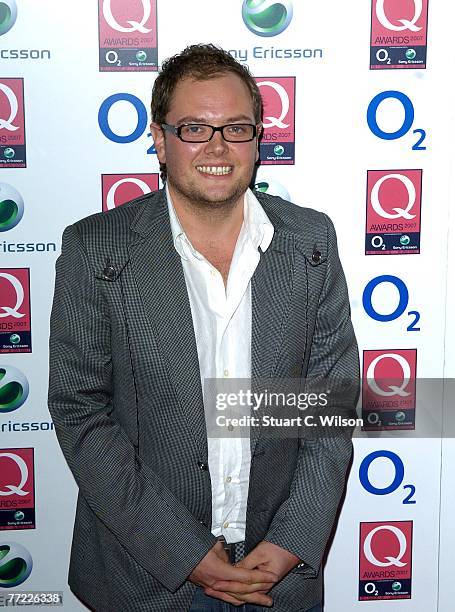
[
  {"x": 228, "y": 478},
  {"x": 225, "y": 525},
  {"x": 226, "y": 372}
]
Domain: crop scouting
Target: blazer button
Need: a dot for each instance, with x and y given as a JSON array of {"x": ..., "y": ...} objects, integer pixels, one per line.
[
  {"x": 316, "y": 257},
  {"x": 203, "y": 466}
]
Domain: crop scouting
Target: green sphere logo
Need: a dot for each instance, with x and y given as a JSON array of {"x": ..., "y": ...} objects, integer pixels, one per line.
[
  {"x": 410, "y": 54},
  {"x": 278, "y": 150},
  {"x": 13, "y": 389},
  {"x": 272, "y": 187},
  {"x": 14, "y": 338},
  {"x": 267, "y": 17},
  {"x": 11, "y": 207},
  {"x": 8, "y": 15},
  {"x": 15, "y": 564},
  {"x": 400, "y": 417},
  {"x": 405, "y": 240},
  {"x": 141, "y": 56},
  {"x": 19, "y": 516},
  {"x": 396, "y": 586},
  {"x": 9, "y": 153}
]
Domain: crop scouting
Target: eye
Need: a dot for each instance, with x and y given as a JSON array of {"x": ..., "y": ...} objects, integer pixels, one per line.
[
  {"x": 237, "y": 129},
  {"x": 194, "y": 129}
]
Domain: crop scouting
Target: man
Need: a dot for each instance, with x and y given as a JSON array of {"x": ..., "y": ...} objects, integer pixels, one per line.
[{"x": 204, "y": 279}]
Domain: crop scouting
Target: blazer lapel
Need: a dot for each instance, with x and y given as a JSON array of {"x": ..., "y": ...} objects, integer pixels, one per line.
[
  {"x": 159, "y": 275},
  {"x": 271, "y": 292}
]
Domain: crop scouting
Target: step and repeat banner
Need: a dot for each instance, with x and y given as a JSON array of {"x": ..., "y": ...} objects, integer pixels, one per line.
[{"x": 358, "y": 123}]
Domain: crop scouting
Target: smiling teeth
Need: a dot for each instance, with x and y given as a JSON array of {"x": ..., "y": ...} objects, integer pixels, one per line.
[{"x": 218, "y": 170}]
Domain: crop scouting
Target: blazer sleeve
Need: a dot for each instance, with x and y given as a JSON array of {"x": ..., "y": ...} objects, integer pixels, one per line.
[
  {"x": 149, "y": 522},
  {"x": 303, "y": 523}
]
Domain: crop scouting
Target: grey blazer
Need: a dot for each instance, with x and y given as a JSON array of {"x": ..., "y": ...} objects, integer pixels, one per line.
[{"x": 126, "y": 400}]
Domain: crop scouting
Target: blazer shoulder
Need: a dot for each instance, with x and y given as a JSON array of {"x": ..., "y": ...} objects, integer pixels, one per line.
[
  {"x": 312, "y": 229},
  {"x": 106, "y": 236},
  {"x": 115, "y": 222}
]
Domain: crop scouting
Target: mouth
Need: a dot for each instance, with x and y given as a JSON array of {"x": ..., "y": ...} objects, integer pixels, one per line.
[{"x": 215, "y": 170}]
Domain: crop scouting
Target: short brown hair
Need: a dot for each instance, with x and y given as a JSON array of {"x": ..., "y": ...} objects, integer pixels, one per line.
[{"x": 199, "y": 62}]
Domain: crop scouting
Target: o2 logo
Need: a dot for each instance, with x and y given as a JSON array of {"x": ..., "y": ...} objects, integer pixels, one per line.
[
  {"x": 367, "y": 300},
  {"x": 398, "y": 477},
  {"x": 408, "y": 120},
  {"x": 141, "y": 125}
]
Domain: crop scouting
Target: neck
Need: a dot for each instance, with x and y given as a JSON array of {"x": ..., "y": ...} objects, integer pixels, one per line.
[{"x": 206, "y": 223}]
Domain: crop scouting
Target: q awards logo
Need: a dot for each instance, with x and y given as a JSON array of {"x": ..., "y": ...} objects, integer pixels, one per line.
[
  {"x": 11, "y": 207},
  {"x": 389, "y": 389},
  {"x": 15, "y": 319},
  {"x": 267, "y": 17},
  {"x": 8, "y": 15},
  {"x": 128, "y": 35},
  {"x": 12, "y": 124},
  {"x": 13, "y": 389},
  {"x": 385, "y": 567},
  {"x": 15, "y": 564},
  {"x": 117, "y": 189},
  {"x": 17, "y": 488},
  {"x": 278, "y": 139},
  {"x": 398, "y": 34},
  {"x": 393, "y": 203}
]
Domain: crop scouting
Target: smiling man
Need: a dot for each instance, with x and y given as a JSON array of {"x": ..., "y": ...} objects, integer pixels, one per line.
[{"x": 204, "y": 279}]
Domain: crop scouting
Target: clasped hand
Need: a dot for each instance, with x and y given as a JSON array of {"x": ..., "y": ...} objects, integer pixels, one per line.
[{"x": 249, "y": 580}]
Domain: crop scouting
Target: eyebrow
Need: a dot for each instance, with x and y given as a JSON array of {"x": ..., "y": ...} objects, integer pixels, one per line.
[{"x": 193, "y": 119}]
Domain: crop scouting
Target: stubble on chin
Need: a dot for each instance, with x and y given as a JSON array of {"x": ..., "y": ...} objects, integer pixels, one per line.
[{"x": 199, "y": 201}]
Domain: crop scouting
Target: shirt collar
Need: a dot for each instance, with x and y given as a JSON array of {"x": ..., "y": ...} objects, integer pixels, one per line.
[{"x": 255, "y": 222}]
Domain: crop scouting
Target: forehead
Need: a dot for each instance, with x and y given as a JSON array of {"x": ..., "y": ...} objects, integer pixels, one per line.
[{"x": 220, "y": 97}]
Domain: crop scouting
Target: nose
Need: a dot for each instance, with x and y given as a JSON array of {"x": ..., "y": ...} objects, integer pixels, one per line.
[{"x": 216, "y": 145}]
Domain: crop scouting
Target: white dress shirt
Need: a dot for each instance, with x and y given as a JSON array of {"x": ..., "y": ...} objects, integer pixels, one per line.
[{"x": 222, "y": 326}]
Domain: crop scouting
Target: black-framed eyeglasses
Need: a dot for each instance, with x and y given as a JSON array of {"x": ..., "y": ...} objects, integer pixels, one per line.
[{"x": 201, "y": 132}]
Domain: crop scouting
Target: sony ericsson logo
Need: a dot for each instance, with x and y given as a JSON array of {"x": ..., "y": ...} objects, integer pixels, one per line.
[
  {"x": 11, "y": 207},
  {"x": 267, "y": 17},
  {"x": 134, "y": 26},
  {"x": 13, "y": 389},
  {"x": 8, "y": 15},
  {"x": 15, "y": 564}
]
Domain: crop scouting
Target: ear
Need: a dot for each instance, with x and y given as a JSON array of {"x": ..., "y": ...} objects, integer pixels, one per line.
[
  {"x": 258, "y": 140},
  {"x": 159, "y": 142}
]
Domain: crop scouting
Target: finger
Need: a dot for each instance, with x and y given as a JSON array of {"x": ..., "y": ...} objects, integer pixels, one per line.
[
  {"x": 223, "y": 596},
  {"x": 241, "y": 587},
  {"x": 258, "y": 598},
  {"x": 249, "y": 576}
]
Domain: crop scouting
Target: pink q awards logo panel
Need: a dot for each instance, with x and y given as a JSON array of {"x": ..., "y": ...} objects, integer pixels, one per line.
[
  {"x": 128, "y": 37},
  {"x": 389, "y": 389},
  {"x": 393, "y": 212},
  {"x": 12, "y": 124},
  {"x": 398, "y": 34},
  {"x": 17, "y": 489},
  {"x": 385, "y": 560},
  {"x": 120, "y": 188},
  {"x": 278, "y": 139},
  {"x": 15, "y": 319}
]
